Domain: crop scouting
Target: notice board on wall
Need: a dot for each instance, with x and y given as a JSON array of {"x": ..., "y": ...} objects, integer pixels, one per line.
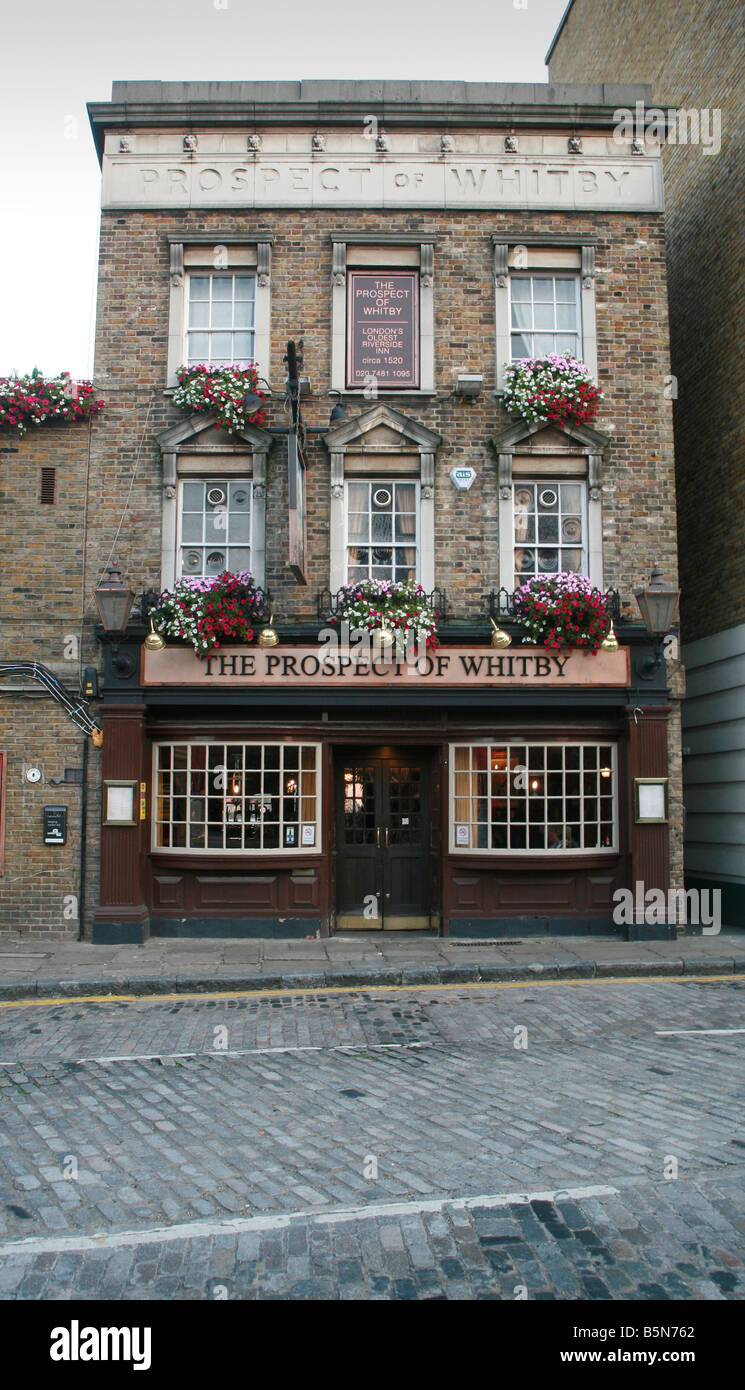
[{"x": 383, "y": 328}]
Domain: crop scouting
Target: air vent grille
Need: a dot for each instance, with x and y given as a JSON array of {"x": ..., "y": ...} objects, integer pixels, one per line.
[{"x": 48, "y": 490}]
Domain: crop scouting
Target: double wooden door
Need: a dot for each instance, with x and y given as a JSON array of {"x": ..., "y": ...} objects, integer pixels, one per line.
[{"x": 383, "y": 874}]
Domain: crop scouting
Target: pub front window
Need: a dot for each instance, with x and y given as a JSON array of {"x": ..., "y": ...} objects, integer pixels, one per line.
[
  {"x": 533, "y": 797},
  {"x": 237, "y": 797}
]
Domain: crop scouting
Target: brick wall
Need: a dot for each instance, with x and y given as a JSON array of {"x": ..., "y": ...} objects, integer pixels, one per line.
[
  {"x": 633, "y": 363},
  {"x": 693, "y": 55},
  {"x": 46, "y": 614},
  {"x": 46, "y": 576}
]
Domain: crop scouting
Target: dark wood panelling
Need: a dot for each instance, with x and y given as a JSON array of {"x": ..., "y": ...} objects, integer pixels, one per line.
[
  {"x": 122, "y": 895},
  {"x": 505, "y": 892},
  {"x": 168, "y": 891},
  {"x": 303, "y": 890},
  {"x": 230, "y": 894},
  {"x": 468, "y": 892},
  {"x": 650, "y": 844},
  {"x": 535, "y": 894},
  {"x": 234, "y": 892}
]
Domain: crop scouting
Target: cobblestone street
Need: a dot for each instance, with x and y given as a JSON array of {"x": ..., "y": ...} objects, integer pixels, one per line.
[{"x": 568, "y": 1141}]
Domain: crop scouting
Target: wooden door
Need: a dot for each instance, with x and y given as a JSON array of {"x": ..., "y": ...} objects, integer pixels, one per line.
[{"x": 383, "y": 873}]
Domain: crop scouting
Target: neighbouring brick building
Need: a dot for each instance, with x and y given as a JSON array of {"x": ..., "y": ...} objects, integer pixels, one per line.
[
  {"x": 693, "y": 56},
  {"x": 484, "y": 791}
]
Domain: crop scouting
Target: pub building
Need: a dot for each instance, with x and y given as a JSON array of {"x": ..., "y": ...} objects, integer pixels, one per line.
[{"x": 381, "y": 252}]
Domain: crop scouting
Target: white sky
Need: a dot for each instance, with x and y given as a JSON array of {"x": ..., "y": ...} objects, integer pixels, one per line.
[{"x": 59, "y": 54}]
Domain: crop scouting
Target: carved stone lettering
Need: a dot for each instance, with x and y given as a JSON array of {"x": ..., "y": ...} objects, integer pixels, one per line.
[{"x": 343, "y": 180}]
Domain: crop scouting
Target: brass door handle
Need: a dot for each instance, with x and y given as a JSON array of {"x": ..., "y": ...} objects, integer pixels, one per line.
[
  {"x": 386, "y": 835},
  {"x": 377, "y": 836}
]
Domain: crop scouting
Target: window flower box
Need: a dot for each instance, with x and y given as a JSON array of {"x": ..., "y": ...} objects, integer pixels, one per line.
[
  {"x": 210, "y": 612},
  {"x": 551, "y": 390},
  {"x": 397, "y": 615},
  {"x": 38, "y": 400},
  {"x": 562, "y": 610},
  {"x": 227, "y": 392}
]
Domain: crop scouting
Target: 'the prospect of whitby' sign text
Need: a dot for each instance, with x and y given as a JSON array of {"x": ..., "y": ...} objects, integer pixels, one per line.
[
  {"x": 447, "y": 667},
  {"x": 383, "y": 335},
  {"x": 164, "y": 180}
]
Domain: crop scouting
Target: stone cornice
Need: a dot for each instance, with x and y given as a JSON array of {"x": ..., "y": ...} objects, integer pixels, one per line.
[{"x": 447, "y": 104}]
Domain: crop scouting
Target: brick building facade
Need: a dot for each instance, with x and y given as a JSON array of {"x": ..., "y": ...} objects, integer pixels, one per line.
[
  {"x": 289, "y": 194},
  {"x": 693, "y": 57}
]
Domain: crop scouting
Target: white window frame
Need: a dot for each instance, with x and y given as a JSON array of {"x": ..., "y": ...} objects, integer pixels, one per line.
[
  {"x": 556, "y": 852},
  {"x": 384, "y": 253},
  {"x": 530, "y": 276},
  {"x": 238, "y": 852},
  {"x": 196, "y": 272},
  {"x": 533, "y": 255},
  {"x": 554, "y": 482},
  {"x": 207, "y": 254},
  {"x": 383, "y": 481},
  {"x": 211, "y": 480}
]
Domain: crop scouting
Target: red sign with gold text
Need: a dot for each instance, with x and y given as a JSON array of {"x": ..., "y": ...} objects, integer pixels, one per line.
[{"x": 383, "y": 328}]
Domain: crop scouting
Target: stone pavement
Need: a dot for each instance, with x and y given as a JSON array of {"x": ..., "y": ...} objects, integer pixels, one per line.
[
  {"x": 30, "y": 966},
  {"x": 645, "y": 1242},
  {"x": 552, "y": 1140}
]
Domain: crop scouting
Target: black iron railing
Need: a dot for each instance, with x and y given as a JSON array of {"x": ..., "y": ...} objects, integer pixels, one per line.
[
  {"x": 150, "y": 599},
  {"x": 328, "y": 603},
  {"x": 500, "y": 603}
]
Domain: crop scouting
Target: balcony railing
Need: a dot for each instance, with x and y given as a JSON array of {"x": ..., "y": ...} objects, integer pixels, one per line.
[
  {"x": 500, "y": 603},
  {"x": 328, "y": 603}
]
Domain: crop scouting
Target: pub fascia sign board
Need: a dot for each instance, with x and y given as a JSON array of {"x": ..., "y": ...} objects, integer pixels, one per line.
[{"x": 445, "y": 668}]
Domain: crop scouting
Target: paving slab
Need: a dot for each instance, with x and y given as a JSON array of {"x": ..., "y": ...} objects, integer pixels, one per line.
[{"x": 173, "y": 965}]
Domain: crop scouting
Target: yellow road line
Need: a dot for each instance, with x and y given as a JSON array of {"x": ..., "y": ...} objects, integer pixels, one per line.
[{"x": 363, "y": 989}]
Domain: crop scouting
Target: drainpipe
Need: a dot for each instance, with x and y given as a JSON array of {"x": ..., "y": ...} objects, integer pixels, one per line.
[{"x": 83, "y": 834}]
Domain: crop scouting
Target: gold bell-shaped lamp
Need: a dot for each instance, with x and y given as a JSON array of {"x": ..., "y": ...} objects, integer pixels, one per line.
[
  {"x": 268, "y": 637},
  {"x": 499, "y": 637},
  {"x": 154, "y": 642},
  {"x": 610, "y": 641}
]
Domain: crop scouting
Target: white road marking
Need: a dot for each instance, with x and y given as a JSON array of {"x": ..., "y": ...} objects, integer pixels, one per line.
[
  {"x": 697, "y": 1032},
  {"x": 213, "y": 1052},
  {"x": 241, "y": 1225}
]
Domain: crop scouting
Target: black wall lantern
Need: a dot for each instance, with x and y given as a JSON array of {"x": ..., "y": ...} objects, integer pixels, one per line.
[
  {"x": 114, "y": 603},
  {"x": 658, "y": 605},
  {"x": 113, "y": 600}
]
